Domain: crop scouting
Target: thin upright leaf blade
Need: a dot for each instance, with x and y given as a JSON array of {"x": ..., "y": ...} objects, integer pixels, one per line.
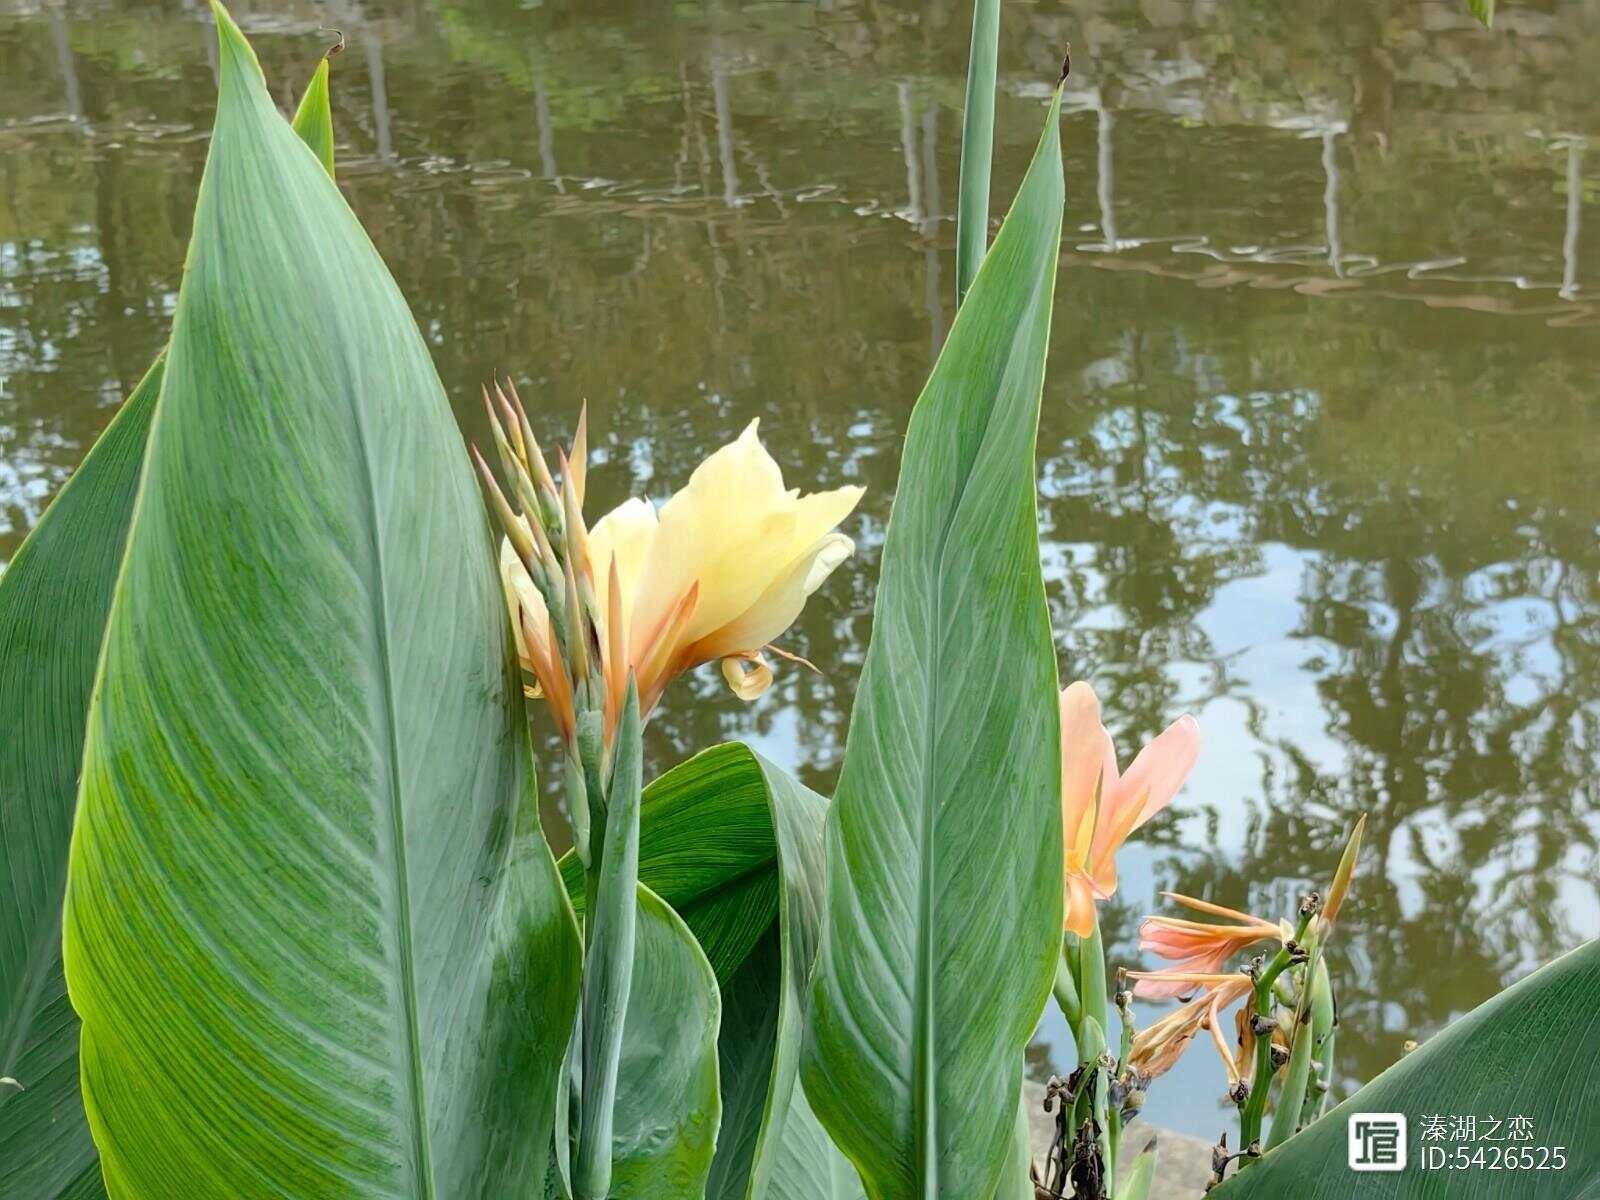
[
  {"x": 943, "y": 911},
  {"x": 54, "y": 598},
  {"x": 317, "y": 942},
  {"x": 1531, "y": 1051},
  {"x": 977, "y": 145},
  {"x": 611, "y": 937},
  {"x": 313, "y": 119}
]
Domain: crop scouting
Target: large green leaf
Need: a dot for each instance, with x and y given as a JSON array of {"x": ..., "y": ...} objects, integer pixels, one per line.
[
  {"x": 53, "y": 603},
  {"x": 707, "y": 847},
  {"x": 317, "y": 942},
  {"x": 943, "y": 914},
  {"x": 54, "y": 600},
  {"x": 764, "y": 1005},
  {"x": 1532, "y": 1051},
  {"x": 808, "y": 1166},
  {"x": 668, "y": 1106}
]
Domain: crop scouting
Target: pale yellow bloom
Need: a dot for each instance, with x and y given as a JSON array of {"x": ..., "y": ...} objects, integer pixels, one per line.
[{"x": 721, "y": 570}]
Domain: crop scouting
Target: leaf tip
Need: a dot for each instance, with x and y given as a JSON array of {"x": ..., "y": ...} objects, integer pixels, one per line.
[{"x": 235, "y": 49}]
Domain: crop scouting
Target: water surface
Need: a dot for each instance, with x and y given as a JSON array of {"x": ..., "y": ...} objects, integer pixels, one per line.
[{"x": 1318, "y": 451}]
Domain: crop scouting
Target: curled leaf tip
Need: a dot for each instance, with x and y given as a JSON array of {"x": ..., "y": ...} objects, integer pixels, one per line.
[{"x": 1066, "y": 63}]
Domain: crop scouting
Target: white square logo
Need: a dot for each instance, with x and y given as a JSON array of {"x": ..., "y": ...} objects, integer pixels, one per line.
[{"x": 1376, "y": 1141}]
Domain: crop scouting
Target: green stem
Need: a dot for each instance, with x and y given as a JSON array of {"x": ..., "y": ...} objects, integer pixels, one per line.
[
  {"x": 1322, "y": 1027},
  {"x": 1089, "y": 1034},
  {"x": 1093, "y": 1088},
  {"x": 1325, "y": 1076},
  {"x": 1255, "y": 1105},
  {"x": 1066, "y": 988},
  {"x": 1091, "y": 964},
  {"x": 610, "y": 927},
  {"x": 977, "y": 145}
]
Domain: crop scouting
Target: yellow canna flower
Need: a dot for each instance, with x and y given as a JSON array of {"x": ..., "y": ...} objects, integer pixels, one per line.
[
  {"x": 722, "y": 569},
  {"x": 1099, "y": 806}
]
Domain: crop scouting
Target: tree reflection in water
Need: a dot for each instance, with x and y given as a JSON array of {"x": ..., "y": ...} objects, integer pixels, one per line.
[{"x": 1318, "y": 448}]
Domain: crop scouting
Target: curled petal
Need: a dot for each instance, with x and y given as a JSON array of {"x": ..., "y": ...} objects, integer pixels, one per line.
[
  {"x": 660, "y": 661},
  {"x": 1215, "y": 910},
  {"x": 1213, "y": 1022},
  {"x": 551, "y": 672},
  {"x": 1194, "y": 948},
  {"x": 748, "y": 675},
  {"x": 1157, "y": 1047},
  {"x": 1161, "y": 768},
  {"x": 734, "y": 529}
]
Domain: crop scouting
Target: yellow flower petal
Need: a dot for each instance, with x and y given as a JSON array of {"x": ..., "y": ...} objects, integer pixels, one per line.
[
  {"x": 734, "y": 529},
  {"x": 777, "y": 607},
  {"x": 624, "y": 536},
  {"x": 521, "y": 594}
]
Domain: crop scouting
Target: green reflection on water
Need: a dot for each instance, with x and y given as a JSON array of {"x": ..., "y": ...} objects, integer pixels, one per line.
[{"x": 1318, "y": 450}]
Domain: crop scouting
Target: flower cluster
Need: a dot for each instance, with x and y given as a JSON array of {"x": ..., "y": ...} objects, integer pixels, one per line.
[{"x": 717, "y": 573}]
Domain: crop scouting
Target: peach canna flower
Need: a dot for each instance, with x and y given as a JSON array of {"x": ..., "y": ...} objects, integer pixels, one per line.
[
  {"x": 721, "y": 570},
  {"x": 1196, "y": 946},
  {"x": 1099, "y": 807}
]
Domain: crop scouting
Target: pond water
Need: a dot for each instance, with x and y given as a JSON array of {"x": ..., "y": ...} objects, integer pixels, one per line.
[{"x": 1319, "y": 446}]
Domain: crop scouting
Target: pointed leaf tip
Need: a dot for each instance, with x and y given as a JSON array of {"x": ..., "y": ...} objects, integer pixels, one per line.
[
  {"x": 234, "y": 48},
  {"x": 313, "y": 119}
]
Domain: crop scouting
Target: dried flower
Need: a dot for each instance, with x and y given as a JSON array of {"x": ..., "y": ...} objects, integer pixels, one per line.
[{"x": 1157, "y": 1047}]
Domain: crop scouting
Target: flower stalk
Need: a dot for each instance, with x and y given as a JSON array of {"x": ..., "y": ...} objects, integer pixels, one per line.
[
  {"x": 1259, "y": 1016},
  {"x": 604, "y": 618}
]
